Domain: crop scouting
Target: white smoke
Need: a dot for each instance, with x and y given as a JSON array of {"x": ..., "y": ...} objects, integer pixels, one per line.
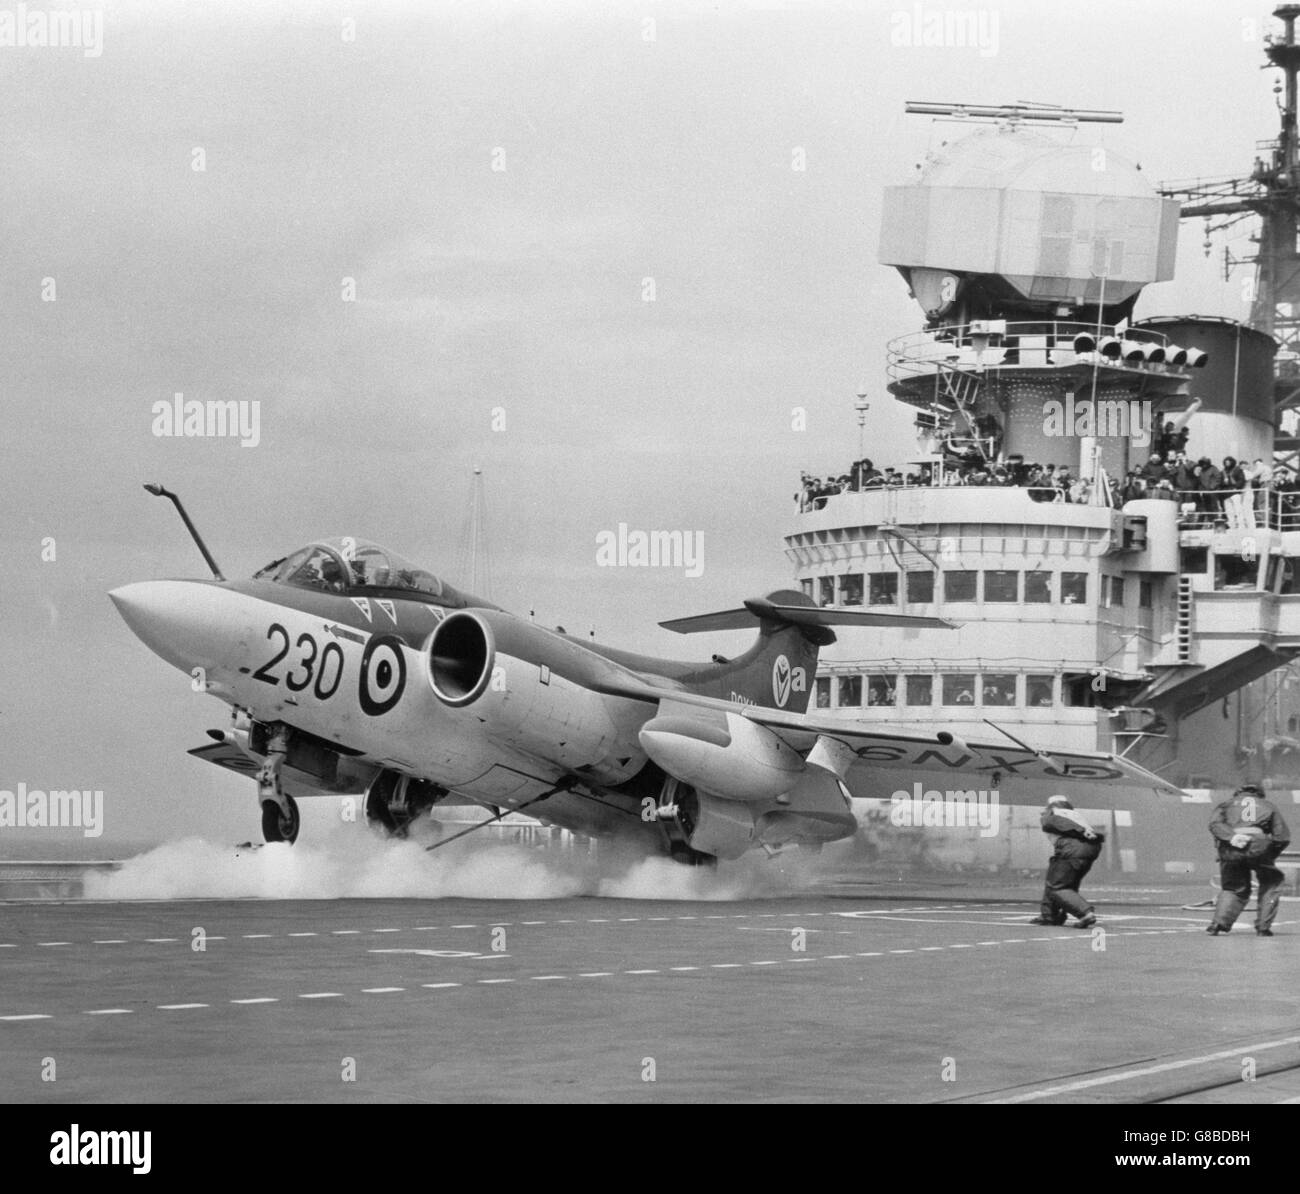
[{"x": 357, "y": 864}]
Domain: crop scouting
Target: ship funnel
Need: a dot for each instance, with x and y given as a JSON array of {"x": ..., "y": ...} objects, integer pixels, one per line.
[
  {"x": 1110, "y": 348},
  {"x": 1175, "y": 355},
  {"x": 1153, "y": 354},
  {"x": 1196, "y": 359},
  {"x": 1132, "y": 352},
  {"x": 1084, "y": 342}
]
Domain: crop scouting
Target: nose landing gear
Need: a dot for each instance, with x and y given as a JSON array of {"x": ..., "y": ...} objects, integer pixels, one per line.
[{"x": 280, "y": 819}]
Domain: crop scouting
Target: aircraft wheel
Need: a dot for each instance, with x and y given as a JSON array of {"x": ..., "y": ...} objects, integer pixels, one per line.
[{"x": 276, "y": 827}]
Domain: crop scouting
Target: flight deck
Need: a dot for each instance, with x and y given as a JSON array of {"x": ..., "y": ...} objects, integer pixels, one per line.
[{"x": 824, "y": 996}]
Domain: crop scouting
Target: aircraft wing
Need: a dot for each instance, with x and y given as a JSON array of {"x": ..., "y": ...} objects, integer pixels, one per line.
[{"x": 913, "y": 752}]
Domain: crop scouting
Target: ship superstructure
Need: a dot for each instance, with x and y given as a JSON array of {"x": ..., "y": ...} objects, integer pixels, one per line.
[{"x": 1111, "y": 601}]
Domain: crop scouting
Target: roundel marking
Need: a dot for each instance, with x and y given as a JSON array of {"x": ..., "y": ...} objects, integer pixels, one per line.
[
  {"x": 781, "y": 677},
  {"x": 383, "y": 674}
]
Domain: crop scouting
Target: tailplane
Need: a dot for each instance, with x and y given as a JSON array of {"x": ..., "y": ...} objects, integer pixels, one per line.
[{"x": 778, "y": 670}]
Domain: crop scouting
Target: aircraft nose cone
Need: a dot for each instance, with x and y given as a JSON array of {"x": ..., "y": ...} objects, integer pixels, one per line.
[{"x": 173, "y": 618}]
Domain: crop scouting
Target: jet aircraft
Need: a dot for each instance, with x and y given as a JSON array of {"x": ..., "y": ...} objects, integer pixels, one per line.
[{"x": 350, "y": 669}]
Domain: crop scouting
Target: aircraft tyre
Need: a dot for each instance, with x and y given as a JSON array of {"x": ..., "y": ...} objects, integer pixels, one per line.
[{"x": 276, "y": 826}]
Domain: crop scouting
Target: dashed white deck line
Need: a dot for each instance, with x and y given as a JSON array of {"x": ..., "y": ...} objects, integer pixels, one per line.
[
  {"x": 14, "y": 945},
  {"x": 161, "y": 940},
  {"x": 211, "y": 937},
  {"x": 385, "y": 930},
  {"x": 624, "y": 920},
  {"x": 464, "y": 926},
  {"x": 106, "y": 941},
  {"x": 304, "y": 934},
  {"x": 637, "y": 973},
  {"x": 256, "y": 936},
  {"x": 532, "y": 922},
  {"x": 344, "y": 932},
  {"x": 54, "y": 943}
]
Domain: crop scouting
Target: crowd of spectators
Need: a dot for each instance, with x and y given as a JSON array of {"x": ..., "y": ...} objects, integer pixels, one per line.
[{"x": 1232, "y": 489}]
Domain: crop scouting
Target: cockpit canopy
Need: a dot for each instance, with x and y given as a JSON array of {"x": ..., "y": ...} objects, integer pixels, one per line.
[{"x": 347, "y": 565}]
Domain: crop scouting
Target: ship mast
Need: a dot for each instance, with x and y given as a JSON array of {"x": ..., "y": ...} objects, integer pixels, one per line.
[{"x": 1272, "y": 191}]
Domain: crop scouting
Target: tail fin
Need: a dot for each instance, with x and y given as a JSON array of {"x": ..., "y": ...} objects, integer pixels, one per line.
[{"x": 778, "y": 670}]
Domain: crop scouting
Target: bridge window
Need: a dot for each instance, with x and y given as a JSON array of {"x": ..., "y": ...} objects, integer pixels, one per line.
[
  {"x": 998, "y": 688},
  {"x": 1235, "y": 572},
  {"x": 920, "y": 690},
  {"x": 1116, "y": 591},
  {"x": 1038, "y": 587},
  {"x": 1194, "y": 559},
  {"x": 884, "y": 588},
  {"x": 880, "y": 690},
  {"x": 825, "y": 590},
  {"x": 959, "y": 586},
  {"x": 920, "y": 587},
  {"x": 959, "y": 688},
  {"x": 851, "y": 589},
  {"x": 806, "y": 587},
  {"x": 822, "y": 692},
  {"x": 1038, "y": 691},
  {"x": 1074, "y": 588},
  {"x": 1144, "y": 594},
  {"x": 1001, "y": 585},
  {"x": 850, "y": 694}
]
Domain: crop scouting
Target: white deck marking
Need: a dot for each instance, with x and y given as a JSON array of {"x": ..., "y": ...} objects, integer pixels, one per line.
[
  {"x": 260, "y": 999},
  {"x": 179, "y": 1007},
  {"x": 322, "y": 995},
  {"x": 438, "y": 986},
  {"x": 1143, "y": 1071},
  {"x": 33, "y": 1016},
  {"x": 110, "y": 1011},
  {"x": 380, "y": 990}
]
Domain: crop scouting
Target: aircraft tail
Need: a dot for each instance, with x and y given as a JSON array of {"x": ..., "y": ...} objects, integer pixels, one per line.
[{"x": 777, "y": 671}]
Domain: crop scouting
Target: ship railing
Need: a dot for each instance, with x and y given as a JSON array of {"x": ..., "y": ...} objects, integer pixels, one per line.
[
  {"x": 988, "y": 344},
  {"x": 1238, "y": 509},
  {"x": 1208, "y": 509},
  {"x": 1035, "y": 493}
]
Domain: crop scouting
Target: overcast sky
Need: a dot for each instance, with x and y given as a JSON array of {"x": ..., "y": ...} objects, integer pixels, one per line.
[{"x": 630, "y": 150}]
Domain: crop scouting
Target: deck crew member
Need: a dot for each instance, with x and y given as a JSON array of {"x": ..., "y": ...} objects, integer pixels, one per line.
[
  {"x": 1250, "y": 834},
  {"x": 1076, "y": 847}
]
